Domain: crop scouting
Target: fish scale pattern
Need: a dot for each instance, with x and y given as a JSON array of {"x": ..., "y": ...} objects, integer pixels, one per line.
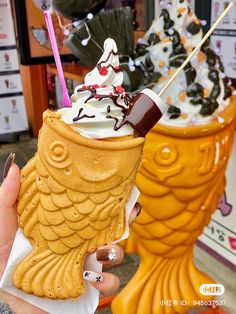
[{"x": 66, "y": 221}]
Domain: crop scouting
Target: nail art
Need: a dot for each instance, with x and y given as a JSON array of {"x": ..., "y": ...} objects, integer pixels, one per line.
[
  {"x": 106, "y": 255},
  {"x": 8, "y": 163},
  {"x": 138, "y": 206},
  {"x": 92, "y": 276}
]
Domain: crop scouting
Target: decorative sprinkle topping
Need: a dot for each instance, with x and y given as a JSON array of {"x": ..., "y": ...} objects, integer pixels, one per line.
[
  {"x": 182, "y": 96},
  {"x": 103, "y": 71},
  {"x": 182, "y": 41},
  {"x": 170, "y": 72},
  {"x": 168, "y": 100},
  {"x": 119, "y": 89},
  {"x": 197, "y": 22},
  {"x": 181, "y": 10},
  {"x": 189, "y": 48},
  {"x": 163, "y": 78},
  {"x": 184, "y": 116},
  {"x": 201, "y": 57},
  {"x": 162, "y": 64},
  {"x": 206, "y": 92}
]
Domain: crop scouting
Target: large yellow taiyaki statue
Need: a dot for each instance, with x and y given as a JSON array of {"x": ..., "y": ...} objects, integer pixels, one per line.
[
  {"x": 182, "y": 177},
  {"x": 181, "y": 181}
]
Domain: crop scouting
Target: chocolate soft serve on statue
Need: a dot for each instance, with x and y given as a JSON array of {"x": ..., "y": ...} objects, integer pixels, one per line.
[{"x": 102, "y": 109}]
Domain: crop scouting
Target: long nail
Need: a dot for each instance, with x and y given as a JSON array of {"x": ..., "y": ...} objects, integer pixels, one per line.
[
  {"x": 8, "y": 163},
  {"x": 106, "y": 255},
  {"x": 92, "y": 276},
  {"x": 138, "y": 207}
]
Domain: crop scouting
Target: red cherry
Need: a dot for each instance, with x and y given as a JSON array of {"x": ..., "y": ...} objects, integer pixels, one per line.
[
  {"x": 103, "y": 71},
  {"x": 95, "y": 86}
]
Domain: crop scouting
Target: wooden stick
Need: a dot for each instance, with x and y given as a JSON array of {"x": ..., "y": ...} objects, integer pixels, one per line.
[{"x": 196, "y": 49}]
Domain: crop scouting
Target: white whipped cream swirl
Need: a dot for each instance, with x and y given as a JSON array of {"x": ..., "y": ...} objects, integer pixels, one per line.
[{"x": 99, "y": 97}]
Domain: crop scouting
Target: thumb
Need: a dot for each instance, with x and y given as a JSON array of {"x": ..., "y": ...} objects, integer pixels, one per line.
[
  {"x": 10, "y": 188},
  {"x": 8, "y": 196},
  {"x": 8, "y": 220}
]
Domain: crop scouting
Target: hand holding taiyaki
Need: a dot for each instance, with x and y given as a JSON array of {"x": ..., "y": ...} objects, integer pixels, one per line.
[
  {"x": 109, "y": 255},
  {"x": 74, "y": 190}
]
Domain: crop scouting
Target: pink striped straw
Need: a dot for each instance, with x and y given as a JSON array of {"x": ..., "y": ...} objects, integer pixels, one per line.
[{"x": 66, "y": 102}]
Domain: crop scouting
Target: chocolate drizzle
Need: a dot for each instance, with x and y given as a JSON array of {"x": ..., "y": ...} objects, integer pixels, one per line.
[
  {"x": 115, "y": 69},
  {"x": 194, "y": 28},
  {"x": 173, "y": 112},
  {"x": 168, "y": 23},
  {"x": 153, "y": 39},
  {"x": 214, "y": 77},
  {"x": 79, "y": 117},
  {"x": 212, "y": 60}
]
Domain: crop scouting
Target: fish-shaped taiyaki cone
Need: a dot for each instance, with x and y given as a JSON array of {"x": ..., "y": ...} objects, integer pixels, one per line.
[
  {"x": 181, "y": 181},
  {"x": 72, "y": 201}
]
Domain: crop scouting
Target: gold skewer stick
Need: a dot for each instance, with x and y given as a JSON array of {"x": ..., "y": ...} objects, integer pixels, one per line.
[{"x": 196, "y": 49}]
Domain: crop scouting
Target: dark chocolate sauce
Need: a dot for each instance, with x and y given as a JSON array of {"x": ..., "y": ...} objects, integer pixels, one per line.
[
  {"x": 213, "y": 76},
  {"x": 208, "y": 107},
  {"x": 168, "y": 23},
  {"x": 173, "y": 112},
  {"x": 153, "y": 39},
  {"x": 79, "y": 117},
  {"x": 115, "y": 69},
  {"x": 194, "y": 28},
  {"x": 141, "y": 49},
  {"x": 190, "y": 74},
  {"x": 211, "y": 57},
  {"x": 194, "y": 89},
  {"x": 212, "y": 60}
]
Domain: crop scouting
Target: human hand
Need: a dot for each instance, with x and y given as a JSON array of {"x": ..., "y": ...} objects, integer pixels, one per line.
[{"x": 109, "y": 255}]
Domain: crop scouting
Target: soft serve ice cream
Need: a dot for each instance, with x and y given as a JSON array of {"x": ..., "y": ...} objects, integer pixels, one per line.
[
  {"x": 75, "y": 189},
  {"x": 98, "y": 104},
  {"x": 202, "y": 90}
]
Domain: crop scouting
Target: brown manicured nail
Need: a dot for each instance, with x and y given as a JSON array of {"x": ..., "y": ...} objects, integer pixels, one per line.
[
  {"x": 138, "y": 207},
  {"x": 8, "y": 163},
  {"x": 106, "y": 255}
]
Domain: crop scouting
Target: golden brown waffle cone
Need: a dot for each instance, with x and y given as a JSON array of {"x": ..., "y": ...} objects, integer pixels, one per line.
[
  {"x": 181, "y": 181},
  {"x": 72, "y": 201}
]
